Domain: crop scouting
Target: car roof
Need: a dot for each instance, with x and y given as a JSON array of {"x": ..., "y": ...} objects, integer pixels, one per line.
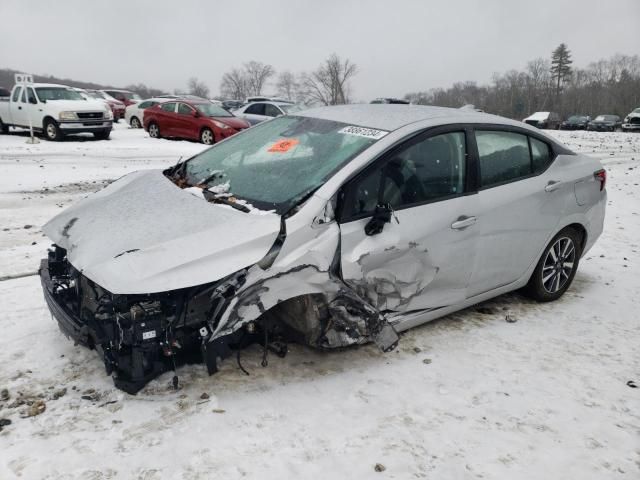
[
  {"x": 115, "y": 90},
  {"x": 38, "y": 85},
  {"x": 392, "y": 116},
  {"x": 271, "y": 102}
]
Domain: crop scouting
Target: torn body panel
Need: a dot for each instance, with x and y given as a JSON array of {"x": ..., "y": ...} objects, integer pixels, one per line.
[
  {"x": 420, "y": 262},
  {"x": 140, "y": 336}
]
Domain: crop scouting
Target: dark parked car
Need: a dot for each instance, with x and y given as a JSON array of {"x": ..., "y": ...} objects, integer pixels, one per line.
[
  {"x": 605, "y": 123},
  {"x": 576, "y": 122},
  {"x": 202, "y": 121},
  {"x": 395, "y": 101},
  {"x": 548, "y": 120},
  {"x": 4, "y": 94}
]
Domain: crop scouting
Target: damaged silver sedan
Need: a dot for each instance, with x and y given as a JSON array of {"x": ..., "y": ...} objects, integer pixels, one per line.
[{"x": 331, "y": 227}]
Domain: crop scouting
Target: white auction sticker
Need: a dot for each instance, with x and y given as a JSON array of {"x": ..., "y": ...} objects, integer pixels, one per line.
[
  {"x": 149, "y": 334},
  {"x": 363, "y": 132}
]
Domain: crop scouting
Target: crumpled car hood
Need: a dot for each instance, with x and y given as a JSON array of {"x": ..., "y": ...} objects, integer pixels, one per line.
[{"x": 143, "y": 234}]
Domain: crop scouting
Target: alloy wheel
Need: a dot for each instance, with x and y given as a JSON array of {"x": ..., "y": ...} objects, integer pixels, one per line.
[
  {"x": 154, "y": 131},
  {"x": 558, "y": 264},
  {"x": 135, "y": 123},
  {"x": 207, "y": 137}
]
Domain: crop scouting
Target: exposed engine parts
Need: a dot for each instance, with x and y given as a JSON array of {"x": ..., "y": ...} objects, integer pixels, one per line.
[{"x": 142, "y": 336}]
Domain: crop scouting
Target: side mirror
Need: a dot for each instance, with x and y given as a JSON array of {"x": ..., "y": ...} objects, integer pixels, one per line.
[
  {"x": 195, "y": 114},
  {"x": 33, "y": 101},
  {"x": 381, "y": 215}
]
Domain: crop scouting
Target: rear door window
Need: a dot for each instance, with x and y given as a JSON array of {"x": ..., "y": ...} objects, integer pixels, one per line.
[
  {"x": 509, "y": 156},
  {"x": 504, "y": 157},
  {"x": 271, "y": 110},
  {"x": 255, "y": 109}
]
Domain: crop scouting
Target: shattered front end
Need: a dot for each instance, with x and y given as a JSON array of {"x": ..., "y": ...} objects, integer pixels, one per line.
[{"x": 138, "y": 336}]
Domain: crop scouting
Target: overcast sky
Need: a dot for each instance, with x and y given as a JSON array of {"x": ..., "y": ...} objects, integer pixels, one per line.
[{"x": 399, "y": 46}]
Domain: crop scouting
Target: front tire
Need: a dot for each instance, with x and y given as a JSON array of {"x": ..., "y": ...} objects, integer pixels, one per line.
[
  {"x": 103, "y": 135},
  {"x": 556, "y": 268},
  {"x": 135, "y": 123},
  {"x": 4, "y": 129},
  {"x": 52, "y": 131},
  {"x": 154, "y": 130},
  {"x": 206, "y": 136}
]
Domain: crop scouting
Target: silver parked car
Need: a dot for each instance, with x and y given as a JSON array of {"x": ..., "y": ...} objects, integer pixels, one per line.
[
  {"x": 332, "y": 227},
  {"x": 257, "y": 111}
]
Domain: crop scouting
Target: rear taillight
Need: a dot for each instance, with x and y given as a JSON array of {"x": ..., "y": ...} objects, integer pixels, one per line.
[{"x": 601, "y": 176}]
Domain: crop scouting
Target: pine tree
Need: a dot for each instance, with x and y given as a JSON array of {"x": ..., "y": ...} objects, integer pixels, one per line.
[{"x": 560, "y": 66}]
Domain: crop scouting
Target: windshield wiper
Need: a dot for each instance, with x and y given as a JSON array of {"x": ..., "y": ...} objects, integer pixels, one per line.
[
  {"x": 213, "y": 175},
  {"x": 216, "y": 198}
]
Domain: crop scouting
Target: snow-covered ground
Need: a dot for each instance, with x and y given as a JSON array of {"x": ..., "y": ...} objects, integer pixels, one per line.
[{"x": 468, "y": 396}]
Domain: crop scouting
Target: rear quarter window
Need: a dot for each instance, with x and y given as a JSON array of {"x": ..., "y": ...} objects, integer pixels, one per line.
[{"x": 540, "y": 155}]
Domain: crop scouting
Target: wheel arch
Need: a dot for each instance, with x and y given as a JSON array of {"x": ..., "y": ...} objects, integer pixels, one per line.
[
  {"x": 46, "y": 118},
  {"x": 580, "y": 228}
]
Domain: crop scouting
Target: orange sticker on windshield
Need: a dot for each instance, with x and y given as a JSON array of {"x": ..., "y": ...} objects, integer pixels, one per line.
[{"x": 283, "y": 145}]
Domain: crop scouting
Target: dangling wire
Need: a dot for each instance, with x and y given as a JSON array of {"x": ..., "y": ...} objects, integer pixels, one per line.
[
  {"x": 238, "y": 352},
  {"x": 265, "y": 350}
]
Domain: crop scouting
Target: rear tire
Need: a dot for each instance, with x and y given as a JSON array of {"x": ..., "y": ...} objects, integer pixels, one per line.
[
  {"x": 4, "y": 129},
  {"x": 103, "y": 135},
  {"x": 52, "y": 131},
  {"x": 556, "y": 268},
  {"x": 154, "y": 130},
  {"x": 134, "y": 122}
]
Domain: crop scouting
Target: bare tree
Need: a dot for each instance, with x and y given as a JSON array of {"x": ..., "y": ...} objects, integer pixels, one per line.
[
  {"x": 609, "y": 85},
  {"x": 287, "y": 85},
  {"x": 329, "y": 84},
  {"x": 257, "y": 74},
  {"x": 234, "y": 85},
  {"x": 198, "y": 88}
]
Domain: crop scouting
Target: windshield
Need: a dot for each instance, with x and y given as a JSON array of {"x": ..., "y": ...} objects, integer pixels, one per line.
[
  {"x": 212, "y": 110},
  {"x": 276, "y": 163},
  {"x": 578, "y": 118},
  {"x": 57, "y": 93},
  {"x": 291, "y": 107},
  {"x": 131, "y": 96},
  {"x": 95, "y": 95}
]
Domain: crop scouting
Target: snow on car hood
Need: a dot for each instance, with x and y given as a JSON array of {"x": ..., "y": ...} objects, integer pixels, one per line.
[
  {"x": 538, "y": 116},
  {"x": 142, "y": 234}
]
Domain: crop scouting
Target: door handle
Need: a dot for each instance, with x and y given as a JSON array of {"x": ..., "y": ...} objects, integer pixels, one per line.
[
  {"x": 552, "y": 186},
  {"x": 463, "y": 222},
  {"x": 19, "y": 108}
]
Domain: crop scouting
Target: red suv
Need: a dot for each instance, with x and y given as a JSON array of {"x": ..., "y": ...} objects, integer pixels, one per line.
[{"x": 202, "y": 121}]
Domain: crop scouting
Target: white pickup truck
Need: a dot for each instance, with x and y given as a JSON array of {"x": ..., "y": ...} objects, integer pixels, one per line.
[{"x": 55, "y": 110}]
